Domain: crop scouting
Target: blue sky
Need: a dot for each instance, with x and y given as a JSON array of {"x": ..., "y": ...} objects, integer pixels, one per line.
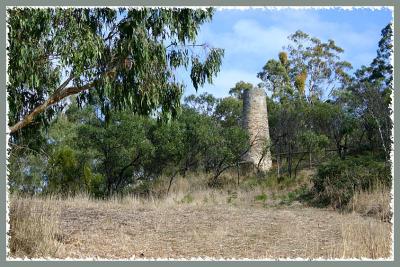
[{"x": 251, "y": 37}]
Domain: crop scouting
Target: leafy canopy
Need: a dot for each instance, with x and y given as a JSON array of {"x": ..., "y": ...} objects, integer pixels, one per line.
[
  {"x": 308, "y": 67},
  {"x": 117, "y": 59}
]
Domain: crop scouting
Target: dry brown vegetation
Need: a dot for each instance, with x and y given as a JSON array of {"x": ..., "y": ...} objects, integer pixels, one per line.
[
  {"x": 373, "y": 203},
  {"x": 196, "y": 223}
]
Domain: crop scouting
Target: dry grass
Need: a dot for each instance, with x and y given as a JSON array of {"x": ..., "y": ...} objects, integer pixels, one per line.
[
  {"x": 375, "y": 203},
  {"x": 365, "y": 239},
  {"x": 34, "y": 228},
  {"x": 201, "y": 223}
]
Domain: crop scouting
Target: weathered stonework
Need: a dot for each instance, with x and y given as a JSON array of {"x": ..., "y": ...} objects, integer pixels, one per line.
[{"x": 255, "y": 121}]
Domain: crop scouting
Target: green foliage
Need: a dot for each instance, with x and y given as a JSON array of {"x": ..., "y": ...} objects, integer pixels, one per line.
[
  {"x": 187, "y": 199},
  {"x": 263, "y": 197},
  {"x": 276, "y": 79},
  {"x": 170, "y": 149},
  {"x": 297, "y": 195},
  {"x": 202, "y": 72},
  {"x": 26, "y": 171},
  {"x": 382, "y": 68},
  {"x": 237, "y": 90},
  {"x": 369, "y": 97},
  {"x": 289, "y": 198},
  {"x": 128, "y": 153},
  {"x": 63, "y": 172},
  {"x": 94, "y": 182},
  {"x": 309, "y": 66},
  {"x": 229, "y": 111},
  {"x": 118, "y": 59},
  {"x": 226, "y": 152},
  {"x": 204, "y": 103},
  {"x": 318, "y": 61},
  {"x": 312, "y": 141},
  {"x": 120, "y": 148},
  {"x": 337, "y": 180},
  {"x": 28, "y": 67},
  {"x": 87, "y": 148}
]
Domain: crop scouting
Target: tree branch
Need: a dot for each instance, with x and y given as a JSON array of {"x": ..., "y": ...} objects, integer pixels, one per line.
[{"x": 60, "y": 93}]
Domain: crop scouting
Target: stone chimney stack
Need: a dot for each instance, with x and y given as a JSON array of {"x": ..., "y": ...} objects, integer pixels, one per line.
[{"x": 255, "y": 122}]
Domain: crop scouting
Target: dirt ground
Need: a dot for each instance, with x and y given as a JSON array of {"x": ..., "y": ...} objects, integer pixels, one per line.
[{"x": 217, "y": 231}]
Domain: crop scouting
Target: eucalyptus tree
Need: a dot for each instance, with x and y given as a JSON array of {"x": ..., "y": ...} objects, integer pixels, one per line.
[
  {"x": 370, "y": 95},
  {"x": 125, "y": 58},
  {"x": 307, "y": 65},
  {"x": 204, "y": 103}
]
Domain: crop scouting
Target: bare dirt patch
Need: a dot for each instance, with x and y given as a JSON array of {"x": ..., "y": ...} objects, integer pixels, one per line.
[
  {"x": 171, "y": 229},
  {"x": 207, "y": 231}
]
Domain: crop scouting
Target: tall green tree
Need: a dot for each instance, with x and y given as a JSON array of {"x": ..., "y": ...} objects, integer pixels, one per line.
[
  {"x": 320, "y": 61},
  {"x": 275, "y": 77},
  {"x": 229, "y": 111},
  {"x": 126, "y": 59},
  {"x": 370, "y": 94},
  {"x": 309, "y": 68},
  {"x": 382, "y": 67}
]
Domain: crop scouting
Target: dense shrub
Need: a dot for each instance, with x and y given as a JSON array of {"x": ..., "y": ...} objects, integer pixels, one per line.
[{"x": 337, "y": 180}]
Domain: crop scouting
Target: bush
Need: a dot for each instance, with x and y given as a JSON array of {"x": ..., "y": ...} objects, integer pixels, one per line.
[
  {"x": 263, "y": 197},
  {"x": 299, "y": 194},
  {"x": 269, "y": 181},
  {"x": 336, "y": 181},
  {"x": 63, "y": 172},
  {"x": 95, "y": 184},
  {"x": 188, "y": 198},
  {"x": 143, "y": 188}
]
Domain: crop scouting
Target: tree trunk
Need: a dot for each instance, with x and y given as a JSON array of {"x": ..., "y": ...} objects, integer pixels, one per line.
[
  {"x": 381, "y": 135},
  {"x": 298, "y": 163},
  {"x": 290, "y": 161},
  {"x": 238, "y": 173},
  {"x": 171, "y": 179},
  {"x": 277, "y": 163},
  {"x": 55, "y": 98},
  {"x": 278, "y": 157}
]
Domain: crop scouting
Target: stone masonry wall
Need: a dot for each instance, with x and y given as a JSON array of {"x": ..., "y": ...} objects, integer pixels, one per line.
[{"x": 255, "y": 121}]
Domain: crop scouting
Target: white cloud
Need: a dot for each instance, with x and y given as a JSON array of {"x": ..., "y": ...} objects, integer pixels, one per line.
[
  {"x": 256, "y": 38},
  {"x": 247, "y": 37},
  {"x": 356, "y": 44},
  {"x": 249, "y": 41}
]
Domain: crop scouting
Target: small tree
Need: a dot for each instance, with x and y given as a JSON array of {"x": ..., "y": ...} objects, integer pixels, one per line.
[
  {"x": 64, "y": 176},
  {"x": 121, "y": 148},
  {"x": 311, "y": 142},
  {"x": 229, "y": 111},
  {"x": 227, "y": 152}
]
